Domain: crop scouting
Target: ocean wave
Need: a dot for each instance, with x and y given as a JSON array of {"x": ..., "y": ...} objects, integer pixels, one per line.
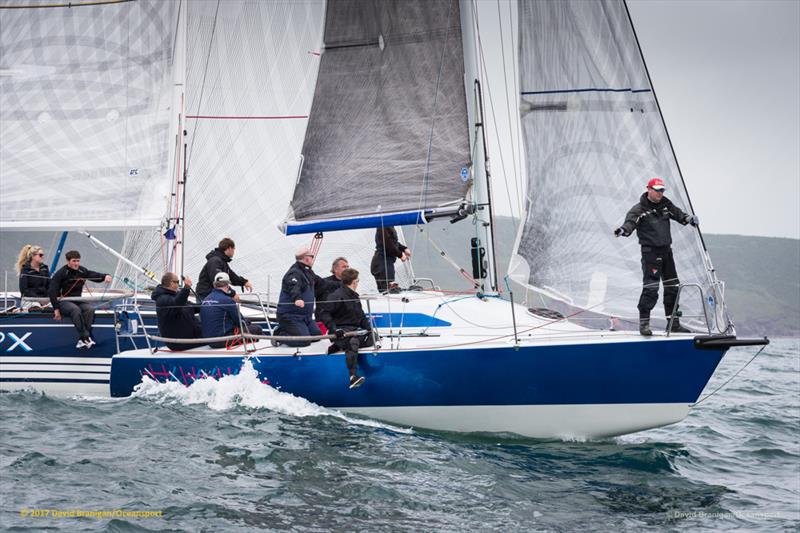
[{"x": 244, "y": 389}]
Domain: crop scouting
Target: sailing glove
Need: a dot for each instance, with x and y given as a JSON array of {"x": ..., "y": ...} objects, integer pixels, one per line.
[
  {"x": 618, "y": 232},
  {"x": 339, "y": 333},
  {"x": 694, "y": 220}
]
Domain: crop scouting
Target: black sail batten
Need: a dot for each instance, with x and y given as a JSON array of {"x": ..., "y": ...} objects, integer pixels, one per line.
[{"x": 388, "y": 130}]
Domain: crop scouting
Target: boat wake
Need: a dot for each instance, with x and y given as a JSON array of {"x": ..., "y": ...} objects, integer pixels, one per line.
[{"x": 244, "y": 389}]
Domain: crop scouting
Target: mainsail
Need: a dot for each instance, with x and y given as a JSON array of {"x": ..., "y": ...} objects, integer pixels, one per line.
[
  {"x": 387, "y": 138},
  {"x": 85, "y": 97},
  {"x": 593, "y": 137}
]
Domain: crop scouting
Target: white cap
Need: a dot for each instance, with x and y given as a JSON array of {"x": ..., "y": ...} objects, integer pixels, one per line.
[{"x": 222, "y": 278}]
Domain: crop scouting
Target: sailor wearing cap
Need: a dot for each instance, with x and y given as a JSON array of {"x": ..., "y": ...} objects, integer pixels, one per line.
[
  {"x": 651, "y": 220},
  {"x": 219, "y": 314}
]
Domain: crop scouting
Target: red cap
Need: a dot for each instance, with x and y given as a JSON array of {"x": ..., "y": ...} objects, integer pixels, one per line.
[{"x": 657, "y": 184}]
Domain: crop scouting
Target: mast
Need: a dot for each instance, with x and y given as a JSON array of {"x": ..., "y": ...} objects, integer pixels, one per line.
[
  {"x": 477, "y": 119},
  {"x": 176, "y": 221}
]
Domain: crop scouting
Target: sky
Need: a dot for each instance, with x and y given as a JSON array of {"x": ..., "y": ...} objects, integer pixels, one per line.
[{"x": 727, "y": 77}]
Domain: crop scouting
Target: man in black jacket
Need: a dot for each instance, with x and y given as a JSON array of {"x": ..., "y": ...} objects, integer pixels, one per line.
[
  {"x": 218, "y": 260},
  {"x": 342, "y": 313},
  {"x": 68, "y": 281},
  {"x": 175, "y": 314},
  {"x": 331, "y": 283},
  {"x": 651, "y": 220},
  {"x": 387, "y": 250}
]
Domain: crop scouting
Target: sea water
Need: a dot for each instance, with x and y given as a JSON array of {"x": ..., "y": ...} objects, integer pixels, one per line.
[{"x": 237, "y": 455}]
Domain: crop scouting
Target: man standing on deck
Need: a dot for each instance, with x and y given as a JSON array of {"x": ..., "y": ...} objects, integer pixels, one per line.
[
  {"x": 218, "y": 260},
  {"x": 387, "y": 250},
  {"x": 68, "y": 281},
  {"x": 651, "y": 220}
]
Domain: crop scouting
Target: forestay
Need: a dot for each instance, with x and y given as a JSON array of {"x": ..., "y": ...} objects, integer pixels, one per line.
[
  {"x": 84, "y": 115},
  {"x": 388, "y": 128},
  {"x": 593, "y": 137}
]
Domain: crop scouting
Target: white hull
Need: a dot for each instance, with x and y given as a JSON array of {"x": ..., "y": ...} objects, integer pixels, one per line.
[{"x": 535, "y": 421}]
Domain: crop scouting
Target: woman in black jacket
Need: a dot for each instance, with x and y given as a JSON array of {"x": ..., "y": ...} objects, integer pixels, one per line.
[{"x": 34, "y": 276}]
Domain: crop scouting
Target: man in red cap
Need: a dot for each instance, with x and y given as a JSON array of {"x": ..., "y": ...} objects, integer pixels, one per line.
[{"x": 650, "y": 218}]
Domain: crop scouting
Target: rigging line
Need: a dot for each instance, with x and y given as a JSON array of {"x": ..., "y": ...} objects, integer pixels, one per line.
[
  {"x": 508, "y": 104},
  {"x": 706, "y": 397},
  {"x": 663, "y": 123},
  {"x": 69, "y": 4},
  {"x": 481, "y": 68},
  {"x": 203, "y": 83}
]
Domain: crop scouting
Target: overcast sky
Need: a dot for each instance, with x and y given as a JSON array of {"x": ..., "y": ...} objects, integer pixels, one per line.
[{"x": 727, "y": 76}]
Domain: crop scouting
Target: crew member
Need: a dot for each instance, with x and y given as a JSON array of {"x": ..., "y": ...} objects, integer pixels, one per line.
[
  {"x": 68, "y": 281},
  {"x": 342, "y": 313},
  {"x": 296, "y": 301},
  {"x": 651, "y": 220},
  {"x": 176, "y": 316},
  {"x": 218, "y": 260},
  {"x": 34, "y": 277},
  {"x": 332, "y": 282},
  {"x": 219, "y": 314},
  {"x": 387, "y": 250}
]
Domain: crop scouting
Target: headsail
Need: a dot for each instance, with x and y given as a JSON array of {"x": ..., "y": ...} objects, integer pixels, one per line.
[
  {"x": 593, "y": 136},
  {"x": 84, "y": 115},
  {"x": 252, "y": 67},
  {"x": 388, "y": 133}
]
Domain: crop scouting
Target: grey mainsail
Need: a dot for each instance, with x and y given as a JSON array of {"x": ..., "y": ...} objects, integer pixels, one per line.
[
  {"x": 593, "y": 137},
  {"x": 388, "y": 127}
]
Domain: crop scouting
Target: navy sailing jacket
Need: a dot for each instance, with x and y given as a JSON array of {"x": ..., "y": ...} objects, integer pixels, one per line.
[
  {"x": 68, "y": 282},
  {"x": 216, "y": 262},
  {"x": 176, "y": 316},
  {"x": 34, "y": 283},
  {"x": 651, "y": 221},
  {"x": 219, "y": 315},
  {"x": 299, "y": 283}
]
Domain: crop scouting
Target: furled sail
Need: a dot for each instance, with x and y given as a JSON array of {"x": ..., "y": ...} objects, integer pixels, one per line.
[
  {"x": 85, "y": 96},
  {"x": 251, "y": 70},
  {"x": 593, "y": 137},
  {"x": 387, "y": 138}
]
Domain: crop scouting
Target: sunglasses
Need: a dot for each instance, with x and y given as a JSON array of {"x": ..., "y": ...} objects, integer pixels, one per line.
[{"x": 40, "y": 255}]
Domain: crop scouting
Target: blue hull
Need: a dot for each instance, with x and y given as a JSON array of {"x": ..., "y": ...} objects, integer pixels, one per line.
[{"x": 656, "y": 372}]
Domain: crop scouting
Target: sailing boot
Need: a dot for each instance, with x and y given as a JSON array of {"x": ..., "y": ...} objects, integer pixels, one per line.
[
  {"x": 644, "y": 326},
  {"x": 676, "y": 326}
]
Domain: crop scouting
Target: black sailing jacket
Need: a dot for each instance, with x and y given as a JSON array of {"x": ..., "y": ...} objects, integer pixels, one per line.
[
  {"x": 33, "y": 283},
  {"x": 651, "y": 221},
  {"x": 68, "y": 282},
  {"x": 216, "y": 262},
  {"x": 343, "y": 309}
]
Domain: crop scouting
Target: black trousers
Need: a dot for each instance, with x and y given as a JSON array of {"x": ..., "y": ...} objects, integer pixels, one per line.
[
  {"x": 82, "y": 316},
  {"x": 382, "y": 268},
  {"x": 350, "y": 345},
  {"x": 658, "y": 265}
]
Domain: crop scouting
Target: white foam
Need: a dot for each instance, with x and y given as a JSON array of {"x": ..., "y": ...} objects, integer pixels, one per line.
[{"x": 244, "y": 389}]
